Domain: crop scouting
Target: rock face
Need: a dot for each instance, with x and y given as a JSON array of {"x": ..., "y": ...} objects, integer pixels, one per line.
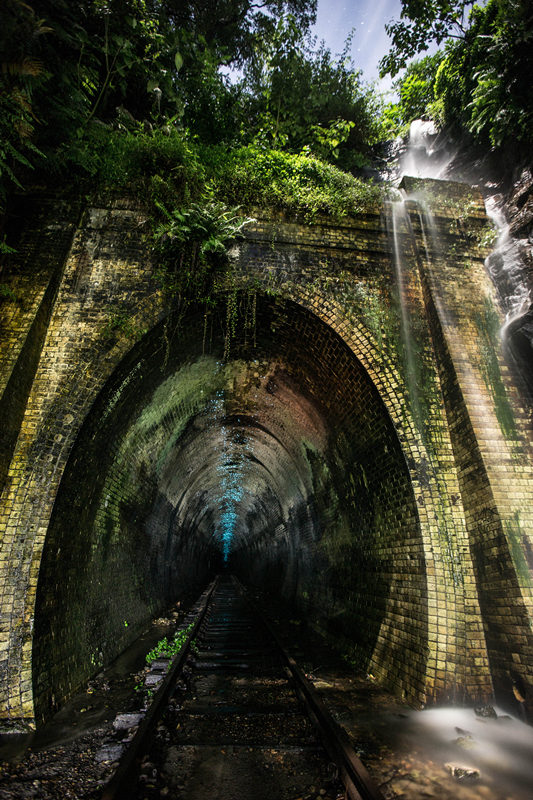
[
  {"x": 519, "y": 208},
  {"x": 487, "y": 712},
  {"x": 126, "y": 721},
  {"x": 462, "y": 772}
]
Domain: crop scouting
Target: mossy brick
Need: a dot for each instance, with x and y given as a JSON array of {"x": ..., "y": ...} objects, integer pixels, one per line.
[{"x": 393, "y": 510}]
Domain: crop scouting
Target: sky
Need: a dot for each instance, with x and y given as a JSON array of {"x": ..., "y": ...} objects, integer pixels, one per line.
[{"x": 335, "y": 20}]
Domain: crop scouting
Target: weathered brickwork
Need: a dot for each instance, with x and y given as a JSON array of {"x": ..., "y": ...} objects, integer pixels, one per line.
[
  {"x": 356, "y": 442},
  {"x": 30, "y": 281},
  {"x": 490, "y": 429}
]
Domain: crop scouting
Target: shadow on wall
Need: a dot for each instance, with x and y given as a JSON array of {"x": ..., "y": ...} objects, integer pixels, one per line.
[{"x": 309, "y": 470}]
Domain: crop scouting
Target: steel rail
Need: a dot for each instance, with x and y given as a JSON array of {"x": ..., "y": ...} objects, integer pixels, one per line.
[
  {"x": 119, "y": 786},
  {"x": 352, "y": 772}
]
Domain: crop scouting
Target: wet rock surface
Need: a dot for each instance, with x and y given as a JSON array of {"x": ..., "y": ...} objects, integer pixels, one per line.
[
  {"x": 462, "y": 772},
  {"x": 519, "y": 206}
]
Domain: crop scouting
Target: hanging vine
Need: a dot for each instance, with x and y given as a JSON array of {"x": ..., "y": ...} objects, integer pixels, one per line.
[{"x": 191, "y": 248}]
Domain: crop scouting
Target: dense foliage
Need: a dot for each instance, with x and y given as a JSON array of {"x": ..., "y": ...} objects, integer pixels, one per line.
[
  {"x": 298, "y": 98},
  {"x": 483, "y": 84},
  {"x": 116, "y": 90},
  {"x": 416, "y": 92},
  {"x": 196, "y": 101},
  {"x": 423, "y": 22},
  {"x": 480, "y": 84}
]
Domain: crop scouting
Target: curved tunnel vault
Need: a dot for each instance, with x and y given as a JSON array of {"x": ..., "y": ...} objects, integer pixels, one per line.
[{"x": 280, "y": 462}]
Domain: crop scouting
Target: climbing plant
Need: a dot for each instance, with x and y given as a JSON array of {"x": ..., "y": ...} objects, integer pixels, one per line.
[{"x": 191, "y": 248}]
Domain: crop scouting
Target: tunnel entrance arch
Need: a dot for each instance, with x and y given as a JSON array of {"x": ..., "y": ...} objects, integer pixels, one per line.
[
  {"x": 283, "y": 460},
  {"x": 469, "y": 470}
]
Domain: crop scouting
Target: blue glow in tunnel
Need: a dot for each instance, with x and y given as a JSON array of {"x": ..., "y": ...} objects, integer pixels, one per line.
[
  {"x": 231, "y": 477},
  {"x": 230, "y": 470}
]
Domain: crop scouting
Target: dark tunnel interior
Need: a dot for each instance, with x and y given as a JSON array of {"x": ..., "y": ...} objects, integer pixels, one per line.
[{"x": 279, "y": 463}]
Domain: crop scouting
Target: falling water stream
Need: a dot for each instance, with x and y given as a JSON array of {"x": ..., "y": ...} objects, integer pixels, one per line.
[
  {"x": 399, "y": 231},
  {"x": 500, "y": 749},
  {"x": 428, "y": 155},
  {"x": 507, "y": 269}
]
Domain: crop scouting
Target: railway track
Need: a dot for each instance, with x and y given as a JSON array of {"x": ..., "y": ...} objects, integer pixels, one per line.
[{"x": 236, "y": 718}]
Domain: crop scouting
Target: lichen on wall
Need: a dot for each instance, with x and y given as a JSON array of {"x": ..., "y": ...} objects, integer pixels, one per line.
[{"x": 311, "y": 432}]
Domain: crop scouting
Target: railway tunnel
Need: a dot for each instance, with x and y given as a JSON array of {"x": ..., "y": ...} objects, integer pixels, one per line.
[
  {"x": 360, "y": 452},
  {"x": 279, "y": 463}
]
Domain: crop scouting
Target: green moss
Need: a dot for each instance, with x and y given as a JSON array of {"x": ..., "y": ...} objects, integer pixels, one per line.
[
  {"x": 514, "y": 535},
  {"x": 487, "y": 323}
]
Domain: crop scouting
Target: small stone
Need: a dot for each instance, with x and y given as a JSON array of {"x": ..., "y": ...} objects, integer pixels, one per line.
[
  {"x": 109, "y": 752},
  {"x": 466, "y": 742},
  {"x": 160, "y": 664},
  {"x": 123, "y": 722},
  {"x": 485, "y": 711},
  {"x": 152, "y": 679},
  {"x": 462, "y": 772}
]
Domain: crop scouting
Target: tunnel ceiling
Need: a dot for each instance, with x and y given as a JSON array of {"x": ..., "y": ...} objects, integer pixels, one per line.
[
  {"x": 281, "y": 460},
  {"x": 241, "y": 455}
]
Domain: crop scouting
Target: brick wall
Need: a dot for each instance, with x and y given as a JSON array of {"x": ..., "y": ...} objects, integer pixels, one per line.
[{"x": 343, "y": 440}]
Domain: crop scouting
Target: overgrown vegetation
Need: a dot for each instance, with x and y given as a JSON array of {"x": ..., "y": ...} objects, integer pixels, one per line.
[
  {"x": 122, "y": 90},
  {"x": 168, "y": 648},
  {"x": 135, "y": 96},
  {"x": 115, "y": 89},
  {"x": 143, "y": 96},
  {"x": 479, "y": 84},
  {"x": 298, "y": 183},
  {"x": 190, "y": 247}
]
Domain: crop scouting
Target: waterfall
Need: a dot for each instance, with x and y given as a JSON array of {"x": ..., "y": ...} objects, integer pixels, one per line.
[
  {"x": 400, "y": 229},
  {"x": 426, "y": 154},
  {"x": 507, "y": 269}
]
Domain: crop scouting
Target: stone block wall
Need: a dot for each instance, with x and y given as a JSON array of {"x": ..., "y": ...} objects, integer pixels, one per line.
[
  {"x": 488, "y": 420},
  {"x": 342, "y": 444},
  {"x": 41, "y": 233}
]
